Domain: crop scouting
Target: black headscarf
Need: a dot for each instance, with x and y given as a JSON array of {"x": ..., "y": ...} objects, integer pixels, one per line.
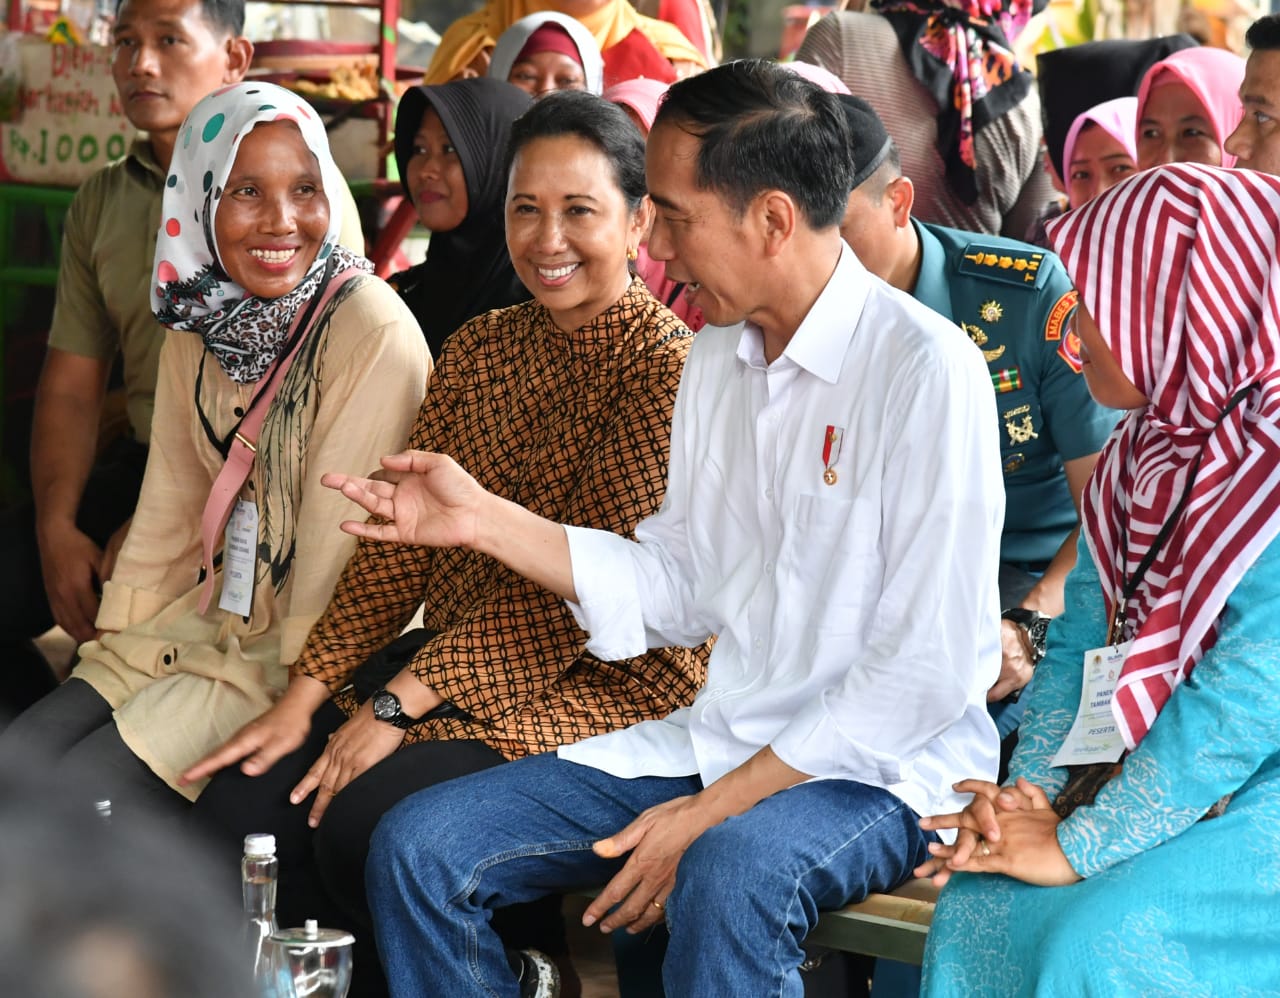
[
  {"x": 467, "y": 271},
  {"x": 1074, "y": 79}
]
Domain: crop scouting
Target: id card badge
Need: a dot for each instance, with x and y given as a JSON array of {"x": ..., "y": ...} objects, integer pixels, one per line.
[
  {"x": 239, "y": 559},
  {"x": 1094, "y": 737}
]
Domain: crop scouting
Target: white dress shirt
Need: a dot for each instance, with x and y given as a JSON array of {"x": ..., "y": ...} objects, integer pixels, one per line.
[{"x": 858, "y": 621}]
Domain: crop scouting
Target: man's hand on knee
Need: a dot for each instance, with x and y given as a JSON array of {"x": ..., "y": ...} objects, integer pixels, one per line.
[{"x": 636, "y": 897}]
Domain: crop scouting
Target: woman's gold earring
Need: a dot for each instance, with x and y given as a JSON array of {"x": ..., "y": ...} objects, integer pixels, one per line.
[{"x": 633, "y": 254}]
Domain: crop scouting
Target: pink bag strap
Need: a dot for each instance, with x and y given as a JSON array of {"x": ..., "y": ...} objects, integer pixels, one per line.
[{"x": 244, "y": 444}]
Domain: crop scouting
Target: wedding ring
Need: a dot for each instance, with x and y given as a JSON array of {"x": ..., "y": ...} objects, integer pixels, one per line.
[
  {"x": 986, "y": 850},
  {"x": 658, "y": 904}
]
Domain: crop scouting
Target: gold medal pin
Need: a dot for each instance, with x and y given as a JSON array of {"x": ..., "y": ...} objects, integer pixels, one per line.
[{"x": 832, "y": 439}]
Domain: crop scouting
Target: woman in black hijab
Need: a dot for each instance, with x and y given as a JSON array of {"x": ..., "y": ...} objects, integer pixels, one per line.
[{"x": 449, "y": 143}]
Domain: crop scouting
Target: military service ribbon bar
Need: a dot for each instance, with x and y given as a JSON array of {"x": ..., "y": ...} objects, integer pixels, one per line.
[{"x": 1007, "y": 379}]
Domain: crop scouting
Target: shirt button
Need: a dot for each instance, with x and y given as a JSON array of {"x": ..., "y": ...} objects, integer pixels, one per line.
[
  {"x": 768, "y": 494},
  {"x": 768, "y": 568},
  {"x": 758, "y": 642}
]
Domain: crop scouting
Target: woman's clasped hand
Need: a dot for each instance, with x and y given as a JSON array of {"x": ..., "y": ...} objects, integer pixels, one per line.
[{"x": 1009, "y": 830}]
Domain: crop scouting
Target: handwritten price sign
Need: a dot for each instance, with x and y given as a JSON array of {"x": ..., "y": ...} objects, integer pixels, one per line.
[{"x": 69, "y": 122}]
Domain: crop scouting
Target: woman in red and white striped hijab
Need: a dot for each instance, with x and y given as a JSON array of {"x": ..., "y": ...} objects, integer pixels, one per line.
[
  {"x": 1179, "y": 323},
  {"x": 1193, "y": 324}
]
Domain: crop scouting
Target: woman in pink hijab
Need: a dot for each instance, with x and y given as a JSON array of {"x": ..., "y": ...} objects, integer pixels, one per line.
[
  {"x": 1099, "y": 151},
  {"x": 1187, "y": 106},
  {"x": 640, "y": 99}
]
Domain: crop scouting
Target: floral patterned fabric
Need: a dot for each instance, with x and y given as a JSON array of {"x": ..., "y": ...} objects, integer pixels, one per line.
[
  {"x": 962, "y": 52},
  {"x": 1171, "y": 905}
]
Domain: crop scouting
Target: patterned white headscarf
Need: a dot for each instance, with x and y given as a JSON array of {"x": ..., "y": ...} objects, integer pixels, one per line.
[{"x": 192, "y": 290}]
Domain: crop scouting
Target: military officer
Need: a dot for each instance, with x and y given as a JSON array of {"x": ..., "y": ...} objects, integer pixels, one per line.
[{"x": 1014, "y": 301}]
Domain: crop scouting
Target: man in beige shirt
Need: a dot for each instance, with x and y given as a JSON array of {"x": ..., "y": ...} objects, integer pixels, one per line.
[{"x": 168, "y": 54}]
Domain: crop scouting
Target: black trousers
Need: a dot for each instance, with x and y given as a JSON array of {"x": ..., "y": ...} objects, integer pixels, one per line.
[
  {"x": 322, "y": 870},
  {"x": 110, "y": 496},
  {"x": 71, "y": 730}
]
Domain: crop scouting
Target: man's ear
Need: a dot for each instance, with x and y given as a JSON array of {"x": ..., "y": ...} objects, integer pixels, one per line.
[
  {"x": 775, "y": 215},
  {"x": 641, "y": 224},
  {"x": 239, "y": 55},
  {"x": 902, "y": 195}
]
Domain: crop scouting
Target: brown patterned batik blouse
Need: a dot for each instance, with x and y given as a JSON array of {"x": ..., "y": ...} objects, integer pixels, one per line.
[{"x": 574, "y": 426}]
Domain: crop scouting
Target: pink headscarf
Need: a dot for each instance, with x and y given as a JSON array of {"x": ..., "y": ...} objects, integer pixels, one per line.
[
  {"x": 1214, "y": 76},
  {"x": 818, "y": 76},
  {"x": 642, "y": 95},
  {"x": 1118, "y": 118},
  {"x": 1179, "y": 266}
]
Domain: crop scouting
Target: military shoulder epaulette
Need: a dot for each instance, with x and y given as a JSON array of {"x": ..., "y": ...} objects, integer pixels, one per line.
[{"x": 1002, "y": 263}]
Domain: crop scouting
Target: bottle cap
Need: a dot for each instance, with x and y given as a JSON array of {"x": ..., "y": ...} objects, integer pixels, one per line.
[
  {"x": 311, "y": 937},
  {"x": 259, "y": 845}
]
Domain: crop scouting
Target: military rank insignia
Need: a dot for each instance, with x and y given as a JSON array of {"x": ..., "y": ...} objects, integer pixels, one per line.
[
  {"x": 1059, "y": 314},
  {"x": 1001, "y": 263}
]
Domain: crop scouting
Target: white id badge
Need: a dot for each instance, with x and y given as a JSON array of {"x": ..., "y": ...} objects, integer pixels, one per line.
[
  {"x": 239, "y": 559},
  {"x": 1094, "y": 736}
]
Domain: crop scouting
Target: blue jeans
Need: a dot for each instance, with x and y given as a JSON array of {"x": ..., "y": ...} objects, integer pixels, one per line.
[{"x": 747, "y": 891}]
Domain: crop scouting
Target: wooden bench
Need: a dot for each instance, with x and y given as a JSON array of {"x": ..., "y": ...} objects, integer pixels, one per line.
[{"x": 892, "y": 926}]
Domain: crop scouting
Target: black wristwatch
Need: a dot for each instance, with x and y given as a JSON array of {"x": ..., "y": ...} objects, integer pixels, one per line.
[
  {"x": 386, "y": 707},
  {"x": 1034, "y": 623}
]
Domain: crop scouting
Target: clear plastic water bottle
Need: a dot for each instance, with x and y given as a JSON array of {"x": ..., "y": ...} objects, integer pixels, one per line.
[{"x": 258, "y": 872}]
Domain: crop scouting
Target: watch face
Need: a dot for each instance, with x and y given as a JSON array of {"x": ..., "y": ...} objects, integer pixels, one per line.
[{"x": 385, "y": 706}]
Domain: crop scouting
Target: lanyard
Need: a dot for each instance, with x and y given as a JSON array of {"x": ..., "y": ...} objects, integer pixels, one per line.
[
  {"x": 1130, "y": 587},
  {"x": 223, "y": 444}
]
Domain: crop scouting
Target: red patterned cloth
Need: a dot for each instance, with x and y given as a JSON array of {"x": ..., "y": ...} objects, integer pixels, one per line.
[{"x": 1178, "y": 266}]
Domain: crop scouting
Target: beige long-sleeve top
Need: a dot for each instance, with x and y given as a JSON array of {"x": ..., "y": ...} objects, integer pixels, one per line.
[{"x": 182, "y": 682}]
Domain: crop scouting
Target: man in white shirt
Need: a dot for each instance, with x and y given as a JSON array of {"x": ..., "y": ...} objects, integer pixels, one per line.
[{"x": 833, "y": 513}]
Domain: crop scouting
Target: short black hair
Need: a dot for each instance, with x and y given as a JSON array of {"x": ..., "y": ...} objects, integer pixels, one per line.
[
  {"x": 1264, "y": 34},
  {"x": 593, "y": 119},
  {"x": 224, "y": 15},
  {"x": 763, "y": 127}
]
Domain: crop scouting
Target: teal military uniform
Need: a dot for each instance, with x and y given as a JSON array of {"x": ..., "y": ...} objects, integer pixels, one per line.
[{"x": 1014, "y": 299}]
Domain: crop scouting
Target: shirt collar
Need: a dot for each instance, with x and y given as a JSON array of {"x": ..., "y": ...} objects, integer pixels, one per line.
[
  {"x": 931, "y": 286},
  {"x": 821, "y": 343},
  {"x": 143, "y": 157}
]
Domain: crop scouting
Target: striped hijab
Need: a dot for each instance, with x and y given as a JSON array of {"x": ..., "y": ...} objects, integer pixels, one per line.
[{"x": 1178, "y": 266}]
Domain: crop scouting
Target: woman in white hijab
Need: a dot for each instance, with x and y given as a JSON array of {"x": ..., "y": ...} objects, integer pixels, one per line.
[
  {"x": 546, "y": 52},
  {"x": 284, "y": 357}
]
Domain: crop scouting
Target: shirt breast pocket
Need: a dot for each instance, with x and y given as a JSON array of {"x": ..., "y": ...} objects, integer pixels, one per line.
[{"x": 834, "y": 559}]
